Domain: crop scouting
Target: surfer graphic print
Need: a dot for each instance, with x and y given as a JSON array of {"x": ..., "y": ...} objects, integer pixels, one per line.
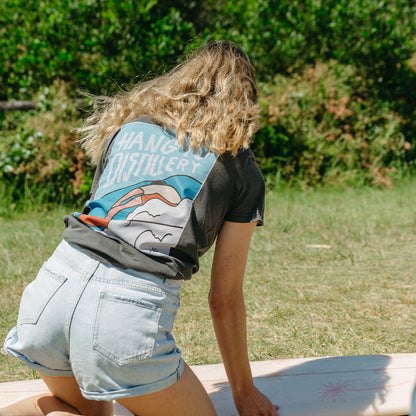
[{"x": 146, "y": 189}]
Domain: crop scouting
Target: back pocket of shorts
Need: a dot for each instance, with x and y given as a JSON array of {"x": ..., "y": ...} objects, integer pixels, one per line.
[
  {"x": 125, "y": 329},
  {"x": 37, "y": 295}
]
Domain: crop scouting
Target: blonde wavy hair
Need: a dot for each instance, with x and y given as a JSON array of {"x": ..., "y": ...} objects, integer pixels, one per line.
[{"x": 210, "y": 100}]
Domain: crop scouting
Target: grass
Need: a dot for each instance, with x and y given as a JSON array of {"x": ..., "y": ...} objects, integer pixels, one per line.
[
  {"x": 26, "y": 240},
  {"x": 330, "y": 273}
]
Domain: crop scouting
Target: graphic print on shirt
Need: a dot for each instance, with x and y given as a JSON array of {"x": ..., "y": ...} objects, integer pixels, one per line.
[{"x": 146, "y": 191}]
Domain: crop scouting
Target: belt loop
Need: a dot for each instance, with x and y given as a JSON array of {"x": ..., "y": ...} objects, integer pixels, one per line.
[{"x": 92, "y": 269}]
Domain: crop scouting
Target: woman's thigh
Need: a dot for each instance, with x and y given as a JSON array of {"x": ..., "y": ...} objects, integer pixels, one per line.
[
  {"x": 187, "y": 397},
  {"x": 67, "y": 390}
]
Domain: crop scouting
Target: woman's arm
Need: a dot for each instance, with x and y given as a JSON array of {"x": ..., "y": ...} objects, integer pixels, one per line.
[{"x": 229, "y": 316}]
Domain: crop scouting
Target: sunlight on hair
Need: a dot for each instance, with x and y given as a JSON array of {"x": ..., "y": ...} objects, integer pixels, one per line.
[{"x": 210, "y": 100}]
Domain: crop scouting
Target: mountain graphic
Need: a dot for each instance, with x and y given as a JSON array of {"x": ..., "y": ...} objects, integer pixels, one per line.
[{"x": 150, "y": 215}]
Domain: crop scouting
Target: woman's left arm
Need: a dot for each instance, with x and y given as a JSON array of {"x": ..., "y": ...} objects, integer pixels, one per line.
[{"x": 229, "y": 317}]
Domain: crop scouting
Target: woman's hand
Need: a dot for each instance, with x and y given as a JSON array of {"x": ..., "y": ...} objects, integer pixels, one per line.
[{"x": 254, "y": 403}]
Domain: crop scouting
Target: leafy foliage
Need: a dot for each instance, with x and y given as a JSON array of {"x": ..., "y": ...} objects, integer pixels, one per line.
[
  {"x": 43, "y": 157},
  {"x": 374, "y": 35},
  {"x": 96, "y": 44},
  {"x": 318, "y": 128},
  {"x": 91, "y": 44},
  {"x": 337, "y": 80}
]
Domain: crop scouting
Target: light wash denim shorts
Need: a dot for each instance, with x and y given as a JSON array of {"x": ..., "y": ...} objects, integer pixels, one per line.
[{"x": 110, "y": 328}]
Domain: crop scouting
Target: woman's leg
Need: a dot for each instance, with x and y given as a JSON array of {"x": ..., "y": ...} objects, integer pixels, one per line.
[
  {"x": 65, "y": 399},
  {"x": 187, "y": 397},
  {"x": 40, "y": 405},
  {"x": 67, "y": 390}
]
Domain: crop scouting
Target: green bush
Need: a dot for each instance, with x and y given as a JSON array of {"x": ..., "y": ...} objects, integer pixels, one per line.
[
  {"x": 318, "y": 128},
  {"x": 42, "y": 160},
  {"x": 338, "y": 94},
  {"x": 374, "y": 35},
  {"x": 91, "y": 44},
  {"x": 97, "y": 45}
]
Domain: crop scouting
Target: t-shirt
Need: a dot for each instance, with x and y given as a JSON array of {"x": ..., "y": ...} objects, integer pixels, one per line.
[{"x": 156, "y": 208}]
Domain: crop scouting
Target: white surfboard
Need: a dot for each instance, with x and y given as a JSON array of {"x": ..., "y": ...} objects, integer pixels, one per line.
[{"x": 331, "y": 386}]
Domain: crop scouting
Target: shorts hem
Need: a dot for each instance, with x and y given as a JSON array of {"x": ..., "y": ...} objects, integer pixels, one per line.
[
  {"x": 138, "y": 390},
  {"x": 38, "y": 367},
  {"x": 11, "y": 340}
]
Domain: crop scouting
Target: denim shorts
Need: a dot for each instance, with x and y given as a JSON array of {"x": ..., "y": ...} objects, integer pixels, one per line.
[{"x": 109, "y": 328}]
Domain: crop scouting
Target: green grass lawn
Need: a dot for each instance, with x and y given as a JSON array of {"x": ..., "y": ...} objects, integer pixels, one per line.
[{"x": 330, "y": 273}]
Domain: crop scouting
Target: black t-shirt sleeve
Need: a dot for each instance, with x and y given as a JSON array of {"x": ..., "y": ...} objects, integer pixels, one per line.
[{"x": 248, "y": 205}]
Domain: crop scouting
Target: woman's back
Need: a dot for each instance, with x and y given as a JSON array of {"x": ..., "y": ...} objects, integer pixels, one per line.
[{"x": 156, "y": 207}]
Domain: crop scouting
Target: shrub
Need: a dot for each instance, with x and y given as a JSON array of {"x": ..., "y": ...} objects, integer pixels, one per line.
[
  {"x": 320, "y": 127},
  {"x": 90, "y": 44},
  {"x": 97, "y": 45},
  {"x": 43, "y": 157},
  {"x": 348, "y": 120},
  {"x": 374, "y": 35}
]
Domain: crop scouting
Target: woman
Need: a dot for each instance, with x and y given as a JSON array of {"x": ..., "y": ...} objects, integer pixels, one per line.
[{"x": 174, "y": 173}]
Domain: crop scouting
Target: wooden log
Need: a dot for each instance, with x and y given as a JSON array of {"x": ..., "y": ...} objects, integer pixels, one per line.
[
  {"x": 17, "y": 105},
  {"x": 32, "y": 105}
]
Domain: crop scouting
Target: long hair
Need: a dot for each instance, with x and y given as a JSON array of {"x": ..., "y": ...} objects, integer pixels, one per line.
[{"x": 210, "y": 100}]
